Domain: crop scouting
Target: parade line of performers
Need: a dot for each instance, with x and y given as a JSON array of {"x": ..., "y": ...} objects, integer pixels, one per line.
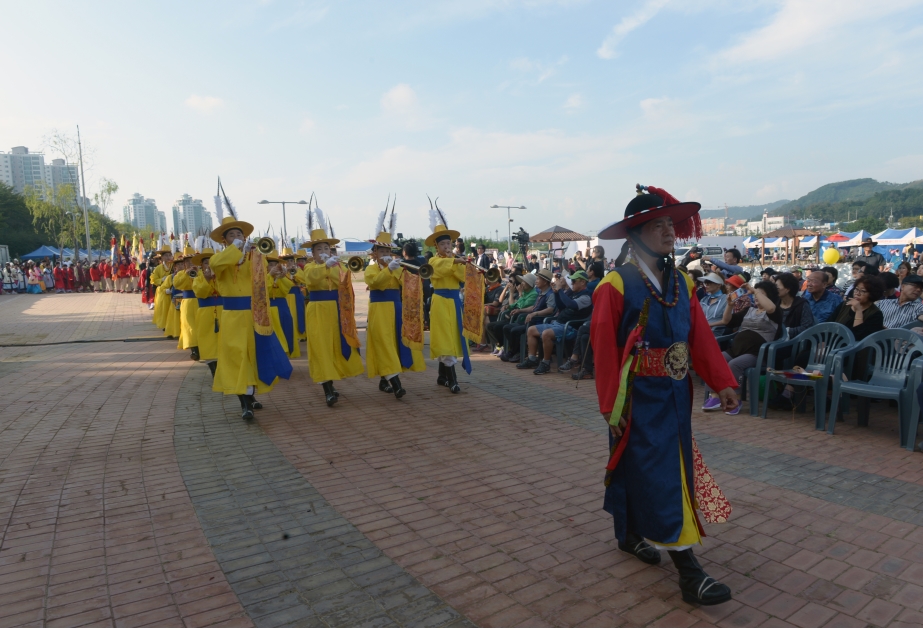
[{"x": 244, "y": 308}]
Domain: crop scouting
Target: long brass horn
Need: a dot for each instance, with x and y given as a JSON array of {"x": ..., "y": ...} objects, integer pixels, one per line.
[
  {"x": 425, "y": 270},
  {"x": 493, "y": 274},
  {"x": 266, "y": 245},
  {"x": 355, "y": 264},
  {"x": 193, "y": 273}
]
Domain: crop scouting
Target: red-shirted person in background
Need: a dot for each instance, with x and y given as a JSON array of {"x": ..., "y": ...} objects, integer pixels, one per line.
[
  {"x": 95, "y": 276},
  {"x": 70, "y": 278},
  {"x": 134, "y": 275},
  {"x": 59, "y": 278},
  {"x": 124, "y": 275},
  {"x": 103, "y": 274}
]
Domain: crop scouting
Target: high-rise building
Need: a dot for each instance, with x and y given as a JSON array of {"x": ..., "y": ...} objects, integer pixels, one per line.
[
  {"x": 143, "y": 214},
  {"x": 189, "y": 215},
  {"x": 21, "y": 169}
]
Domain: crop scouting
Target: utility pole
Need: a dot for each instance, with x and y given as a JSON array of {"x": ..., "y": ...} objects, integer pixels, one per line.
[{"x": 86, "y": 216}]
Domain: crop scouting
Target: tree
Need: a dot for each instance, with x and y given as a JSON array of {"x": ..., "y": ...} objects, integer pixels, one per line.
[
  {"x": 102, "y": 198},
  {"x": 16, "y": 224},
  {"x": 51, "y": 216}
]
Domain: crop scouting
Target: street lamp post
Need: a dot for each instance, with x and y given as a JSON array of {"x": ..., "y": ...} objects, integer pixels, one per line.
[
  {"x": 509, "y": 219},
  {"x": 282, "y": 203}
]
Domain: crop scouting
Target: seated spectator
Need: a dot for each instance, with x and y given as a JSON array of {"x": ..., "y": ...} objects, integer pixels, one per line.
[
  {"x": 821, "y": 301},
  {"x": 907, "y": 307},
  {"x": 533, "y": 263},
  {"x": 582, "y": 356},
  {"x": 891, "y": 283},
  {"x": 761, "y": 323},
  {"x": 730, "y": 265},
  {"x": 735, "y": 284},
  {"x": 798, "y": 273},
  {"x": 832, "y": 276},
  {"x": 796, "y": 313},
  {"x": 519, "y": 301},
  {"x": 544, "y": 307},
  {"x": 595, "y": 271},
  {"x": 714, "y": 301},
  {"x": 492, "y": 303},
  {"x": 861, "y": 316},
  {"x": 696, "y": 275},
  {"x": 573, "y": 304},
  {"x": 767, "y": 274},
  {"x": 902, "y": 270}
]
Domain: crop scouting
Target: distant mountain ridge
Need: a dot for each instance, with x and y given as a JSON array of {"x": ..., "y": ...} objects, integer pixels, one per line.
[
  {"x": 738, "y": 212},
  {"x": 851, "y": 190}
]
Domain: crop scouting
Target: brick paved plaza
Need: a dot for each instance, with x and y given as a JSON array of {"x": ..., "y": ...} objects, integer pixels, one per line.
[{"x": 131, "y": 494}]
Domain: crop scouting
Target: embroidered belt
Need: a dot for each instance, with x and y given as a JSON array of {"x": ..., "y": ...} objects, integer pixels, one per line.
[{"x": 665, "y": 362}]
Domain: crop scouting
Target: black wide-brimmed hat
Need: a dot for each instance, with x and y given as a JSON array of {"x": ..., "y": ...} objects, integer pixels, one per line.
[
  {"x": 652, "y": 203},
  {"x": 868, "y": 241}
]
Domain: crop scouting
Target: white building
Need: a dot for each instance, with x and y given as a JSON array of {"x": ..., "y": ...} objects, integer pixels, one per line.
[
  {"x": 21, "y": 169},
  {"x": 189, "y": 215},
  {"x": 767, "y": 224},
  {"x": 143, "y": 214}
]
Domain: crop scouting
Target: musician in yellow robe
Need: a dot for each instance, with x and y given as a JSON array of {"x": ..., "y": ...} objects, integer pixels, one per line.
[
  {"x": 445, "y": 330},
  {"x": 161, "y": 297},
  {"x": 189, "y": 306},
  {"x": 283, "y": 319},
  {"x": 171, "y": 317},
  {"x": 295, "y": 296},
  {"x": 386, "y": 355},
  {"x": 208, "y": 313},
  {"x": 332, "y": 355},
  {"x": 247, "y": 360}
]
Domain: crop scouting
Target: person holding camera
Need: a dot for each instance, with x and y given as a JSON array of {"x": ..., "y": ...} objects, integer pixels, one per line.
[
  {"x": 573, "y": 304},
  {"x": 544, "y": 306},
  {"x": 525, "y": 289}
]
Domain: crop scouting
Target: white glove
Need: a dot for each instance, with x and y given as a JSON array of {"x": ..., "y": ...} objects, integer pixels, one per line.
[
  {"x": 239, "y": 243},
  {"x": 331, "y": 262},
  {"x": 386, "y": 259},
  {"x": 323, "y": 256},
  {"x": 394, "y": 265}
]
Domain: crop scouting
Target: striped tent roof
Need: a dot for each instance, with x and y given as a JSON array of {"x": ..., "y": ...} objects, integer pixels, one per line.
[{"x": 558, "y": 234}]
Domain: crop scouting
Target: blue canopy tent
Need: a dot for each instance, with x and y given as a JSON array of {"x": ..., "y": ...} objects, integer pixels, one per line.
[
  {"x": 42, "y": 252},
  {"x": 356, "y": 246}
]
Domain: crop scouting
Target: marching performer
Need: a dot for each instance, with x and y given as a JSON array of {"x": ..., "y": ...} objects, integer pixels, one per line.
[
  {"x": 446, "y": 343},
  {"x": 189, "y": 306},
  {"x": 646, "y": 328},
  {"x": 283, "y": 319},
  {"x": 386, "y": 354},
  {"x": 161, "y": 295},
  {"x": 172, "y": 327},
  {"x": 208, "y": 313},
  {"x": 295, "y": 295},
  {"x": 332, "y": 338},
  {"x": 250, "y": 358}
]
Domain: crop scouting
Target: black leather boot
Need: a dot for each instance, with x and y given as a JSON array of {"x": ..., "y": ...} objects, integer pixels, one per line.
[
  {"x": 443, "y": 379},
  {"x": 399, "y": 391},
  {"x": 212, "y": 367},
  {"x": 697, "y": 587},
  {"x": 245, "y": 407},
  {"x": 329, "y": 393},
  {"x": 194, "y": 353},
  {"x": 254, "y": 404},
  {"x": 384, "y": 385},
  {"x": 636, "y": 546},
  {"x": 334, "y": 389},
  {"x": 452, "y": 380}
]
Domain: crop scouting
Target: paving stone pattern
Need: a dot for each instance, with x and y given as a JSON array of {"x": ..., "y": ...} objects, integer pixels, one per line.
[{"x": 290, "y": 557}]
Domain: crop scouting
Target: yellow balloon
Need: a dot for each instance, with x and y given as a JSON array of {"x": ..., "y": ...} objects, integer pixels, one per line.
[{"x": 831, "y": 255}]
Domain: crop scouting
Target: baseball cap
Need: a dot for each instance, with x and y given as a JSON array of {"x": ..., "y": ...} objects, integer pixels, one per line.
[{"x": 579, "y": 275}]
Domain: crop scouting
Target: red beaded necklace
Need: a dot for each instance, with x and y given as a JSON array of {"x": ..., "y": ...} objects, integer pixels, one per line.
[{"x": 653, "y": 291}]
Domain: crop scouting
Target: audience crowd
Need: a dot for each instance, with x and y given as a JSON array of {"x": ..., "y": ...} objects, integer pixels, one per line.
[{"x": 47, "y": 276}]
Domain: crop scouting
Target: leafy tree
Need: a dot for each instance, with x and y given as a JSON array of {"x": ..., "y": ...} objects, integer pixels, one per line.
[
  {"x": 16, "y": 224},
  {"x": 49, "y": 209}
]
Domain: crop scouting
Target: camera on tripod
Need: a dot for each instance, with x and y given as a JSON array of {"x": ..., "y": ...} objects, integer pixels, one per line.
[{"x": 522, "y": 237}]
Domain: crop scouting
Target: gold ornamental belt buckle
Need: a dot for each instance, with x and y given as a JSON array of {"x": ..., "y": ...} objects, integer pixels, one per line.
[{"x": 676, "y": 361}]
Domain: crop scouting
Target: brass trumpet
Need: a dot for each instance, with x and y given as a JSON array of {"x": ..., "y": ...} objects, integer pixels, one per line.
[
  {"x": 355, "y": 264},
  {"x": 193, "y": 273},
  {"x": 425, "y": 270},
  {"x": 492, "y": 274},
  {"x": 266, "y": 245},
  {"x": 293, "y": 271}
]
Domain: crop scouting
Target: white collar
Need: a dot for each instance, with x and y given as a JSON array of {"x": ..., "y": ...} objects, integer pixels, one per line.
[{"x": 650, "y": 274}]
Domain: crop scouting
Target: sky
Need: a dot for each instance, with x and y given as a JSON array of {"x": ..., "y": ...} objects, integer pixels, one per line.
[{"x": 559, "y": 106}]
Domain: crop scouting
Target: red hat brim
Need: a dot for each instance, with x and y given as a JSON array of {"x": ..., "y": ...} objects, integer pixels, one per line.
[{"x": 679, "y": 212}]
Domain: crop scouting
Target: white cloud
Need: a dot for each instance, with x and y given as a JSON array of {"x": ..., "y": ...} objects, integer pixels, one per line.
[
  {"x": 543, "y": 71},
  {"x": 574, "y": 103},
  {"x": 629, "y": 23},
  {"x": 802, "y": 23},
  {"x": 204, "y": 104},
  {"x": 400, "y": 99},
  {"x": 307, "y": 125}
]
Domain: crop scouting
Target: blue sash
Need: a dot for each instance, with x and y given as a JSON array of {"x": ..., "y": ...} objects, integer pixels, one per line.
[
  {"x": 332, "y": 295},
  {"x": 208, "y": 302},
  {"x": 285, "y": 318},
  {"x": 393, "y": 295},
  {"x": 299, "y": 307},
  {"x": 271, "y": 360},
  {"x": 452, "y": 293},
  {"x": 188, "y": 294}
]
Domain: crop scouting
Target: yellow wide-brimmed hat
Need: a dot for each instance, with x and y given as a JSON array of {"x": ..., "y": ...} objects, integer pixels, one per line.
[
  {"x": 287, "y": 253},
  {"x": 207, "y": 252},
  {"x": 383, "y": 240},
  {"x": 228, "y": 223},
  {"x": 319, "y": 236},
  {"x": 439, "y": 232},
  {"x": 302, "y": 253}
]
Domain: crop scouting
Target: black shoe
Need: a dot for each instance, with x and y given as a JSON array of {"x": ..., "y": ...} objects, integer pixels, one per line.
[
  {"x": 636, "y": 546},
  {"x": 245, "y": 407},
  {"x": 399, "y": 391},
  {"x": 194, "y": 353},
  {"x": 528, "y": 363},
  {"x": 515, "y": 358},
  {"x": 543, "y": 368},
  {"x": 697, "y": 587},
  {"x": 384, "y": 386},
  {"x": 212, "y": 367},
  {"x": 453, "y": 380},
  {"x": 504, "y": 357},
  {"x": 566, "y": 366},
  {"x": 254, "y": 404},
  {"x": 443, "y": 379},
  {"x": 582, "y": 374},
  {"x": 329, "y": 394}
]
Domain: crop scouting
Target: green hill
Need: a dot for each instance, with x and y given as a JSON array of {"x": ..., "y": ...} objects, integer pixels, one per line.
[
  {"x": 852, "y": 190},
  {"x": 738, "y": 212}
]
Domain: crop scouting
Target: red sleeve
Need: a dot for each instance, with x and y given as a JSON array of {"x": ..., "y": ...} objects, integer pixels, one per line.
[
  {"x": 707, "y": 360},
  {"x": 608, "y": 305}
]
